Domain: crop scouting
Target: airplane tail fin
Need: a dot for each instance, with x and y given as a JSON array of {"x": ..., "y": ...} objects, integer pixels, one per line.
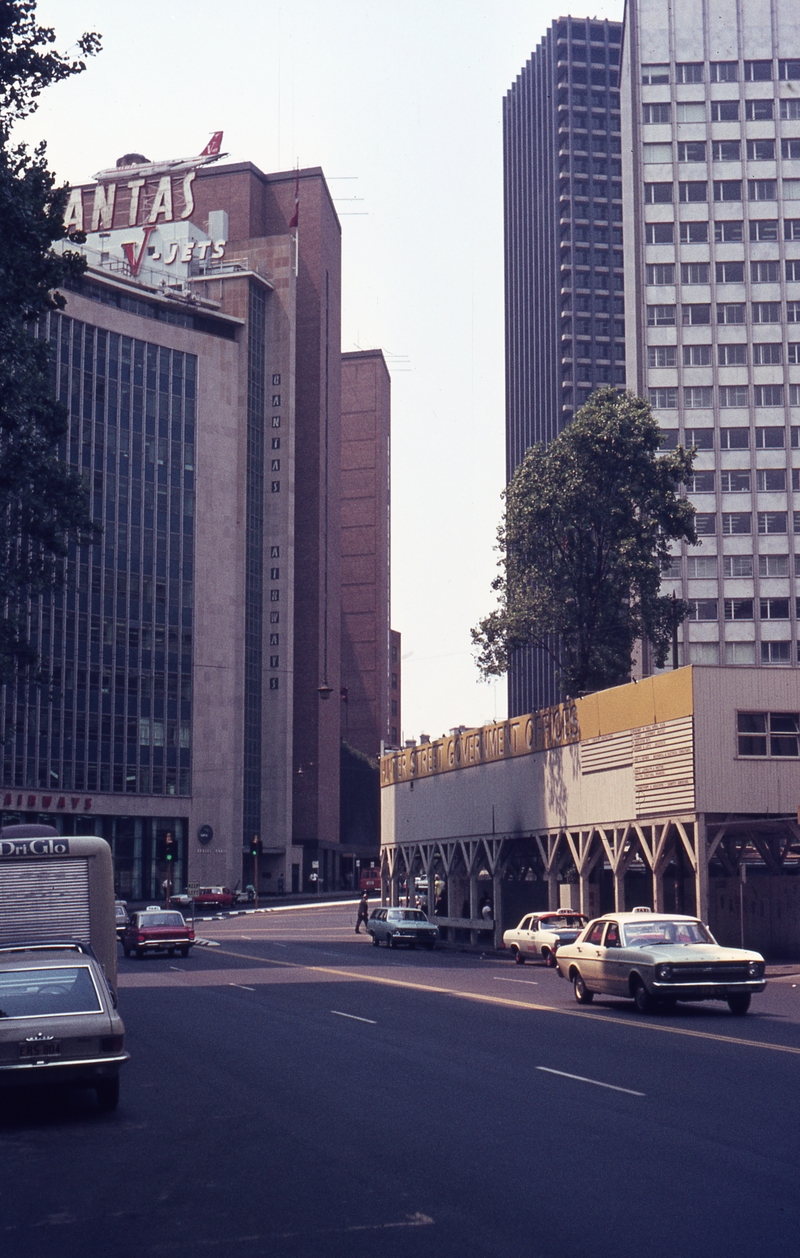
[{"x": 214, "y": 145}]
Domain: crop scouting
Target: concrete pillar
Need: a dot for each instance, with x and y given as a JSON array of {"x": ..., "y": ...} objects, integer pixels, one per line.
[
  {"x": 552, "y": 890},
  {"x": 619, "y": 892},
  {"x": 584, "y": 893},
  {"x": 473, "y": 904},
  {"x": 701, "y": 871},
  {"x": 497, "y": 908}
]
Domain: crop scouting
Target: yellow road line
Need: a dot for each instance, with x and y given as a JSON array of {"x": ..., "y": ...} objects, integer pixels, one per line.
[{"x": 508, "y": 1003}]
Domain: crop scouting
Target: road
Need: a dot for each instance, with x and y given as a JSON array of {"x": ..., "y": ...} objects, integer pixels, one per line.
[{"x": 294, "y": 1091}]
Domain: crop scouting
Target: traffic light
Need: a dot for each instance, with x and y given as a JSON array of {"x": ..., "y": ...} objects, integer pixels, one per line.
[
  {"x": 255, "y": 846},
  {"x": 170, "y": 847}
]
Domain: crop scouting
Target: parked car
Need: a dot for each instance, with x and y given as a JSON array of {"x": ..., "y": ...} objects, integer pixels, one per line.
[
  {"x": 658, "y": 959},
  {"x": 157, "y": 930},
  {"x": 542, "y": 934},
  {"x": 122, "y": 917},
  {"x": 402, "y": 926},
  {"x": 58, "y": 1020},
  {"x": 214, "y": 898}
]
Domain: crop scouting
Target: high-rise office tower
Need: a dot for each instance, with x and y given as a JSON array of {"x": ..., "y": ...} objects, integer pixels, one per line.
[
  {"x": 565, "y": 314},
  {"x": 711, "y": 130}
]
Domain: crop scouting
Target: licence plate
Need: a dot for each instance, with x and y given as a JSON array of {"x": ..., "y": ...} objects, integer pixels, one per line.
[{"x": 48, "y": 1048}]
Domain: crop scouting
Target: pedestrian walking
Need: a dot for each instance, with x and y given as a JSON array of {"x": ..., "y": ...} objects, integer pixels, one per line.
[{"x": 363, "y": 912}]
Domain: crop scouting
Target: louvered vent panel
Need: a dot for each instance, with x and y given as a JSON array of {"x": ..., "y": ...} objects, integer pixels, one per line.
[{"x": 45, "y": 900}]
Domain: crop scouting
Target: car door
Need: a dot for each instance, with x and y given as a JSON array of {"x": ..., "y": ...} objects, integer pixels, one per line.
[
  {"x": 525, "y": 933},
  {"x": 590, "y": 956},
  {"x": 613, "y": 976}
]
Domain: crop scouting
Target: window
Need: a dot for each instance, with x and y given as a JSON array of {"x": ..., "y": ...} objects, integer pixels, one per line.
[
  {"x": 764, "y": 229},
  {"x": 672, "y": 567},
  {"x": 661, "y": 316},
  {"x": 789, "y": 69},
  {"x": 765, "y": 272},
  {"x": 793, "y": 270},
  {"x": 655, "y": 113},
  {"x": 702, "y": 609},
  {"x": 738, "y": 609},
  {"x": 696, "y": 397},
  {"x": 774, "y": 608},
  {"x": 693, "y": 233},
  {"x": 794, "y": 396},
  {"x": 762, "y": 189},
  {"x": 793, "y": 352},
  {"x": 790, "y": 149},
  {"x": 732, "y": 355},
  {"x": 659, "y": 233},
  {"x": 761, "y": 150},
  {"x": 737, "y": 566},
  {"x": 693, "y": 190},
  {"x": 656, "y": 153},
  {"x": 728, "y": 231},
  {"x": 734, "y": 395},
  {"x": 771, "y": 479},
  {"x": 736, "y": 523},
  {"x": 768, "y": 354},
  {"x": 659, "y": 193},
  {"x": 731, "y": 312},
  {"x": 700, "y": 438},
  {"x": 724, "y": 71},
  {"x": 790, "y": 110},
  {"x": 689, "y": 72},
  {"x": 663, "y": 399},
  {"x": 660, "y": 273},
  {"x": 796, "y": 521},
  {"x": 791, "y": 189},
  {"x": 690, "y": 111},
  {"x": 773, "y": 565},
  {"x": 793, "y": 312},
  {"x": 695, "y": 315},
  {"x": 775, "y": 653},
  {"x": 771, "y": 522},
  {"x": 758, "y": 71},
  {"x": 735, "y": 482},
  {"x": 669, "y": 438},
  {"x": 691, "y": 150},
  {"x": 662, "y": 356},
  {"x": 770, "y": 438},
  {"x": 766, "y": 312},
  {"x": 769, "y": 733},
  {"x": 653, "y": 74},
  {"x": 734, "y": 438},
  {"x": 730, "y": 272},
  {"x": 727, "y": 189},
  {"x": 702, "y": 566},
  {"x": 758, "y": 110},
  {"x": 696, "y": 355},
  {"x": 724, "y": 111},
  {"x": 725, "y": 151},
  {"x": 705, "y": 523},
  {"x": 701, "y": 483},
  {"x": 768, "y": 395},
  {"x": 694, "y": 272},
  {"x": 740, "y": 652}
]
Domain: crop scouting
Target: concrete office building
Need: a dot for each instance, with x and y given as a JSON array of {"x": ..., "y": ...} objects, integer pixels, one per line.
[
  {"x": 194, "y": 653},
  {"x": 565, "y": 313},
  {"x": 711, "y": 137}
]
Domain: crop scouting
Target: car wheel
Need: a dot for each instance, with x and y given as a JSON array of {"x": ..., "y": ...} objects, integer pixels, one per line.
[
  {"x": 430, "y": 946},
  {"x": 185, "y": 951},
  {"x": 389, "y": 941},
  {"x": 582, "y": 993},
  {"x": 170, "y": 952},
  {"x": 126, "y": 950},
  {"x": 139, "y": 953},
  {"x": 375, "y": 941},
  {"x": 108, "y": 1093},
  {"x": 518, "y": 957},
  {"x": 641, "y": 998},
  {"x": 549, "y": 958},
  {"x": 739, "y": 1002}
]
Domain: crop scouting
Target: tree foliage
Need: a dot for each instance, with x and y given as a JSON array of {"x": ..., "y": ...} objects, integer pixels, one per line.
[
  {"x": 588, "y": 522},
  {"x": 43, "y": 505}
]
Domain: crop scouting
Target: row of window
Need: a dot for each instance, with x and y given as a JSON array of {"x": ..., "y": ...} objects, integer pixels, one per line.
[
  {"x": 764, "y": 271},
  {"x": 770, "y": 480},
  {"x": 741, "y": 608},
  {"x": 735, "y": 354},
  {"x": 771, "y": 437},
  {"x": 704, "y": 567},
  {"x": 694, "y": 191},
  {"x": 701, "y": 397},
  {"x": 721, "y": 151},
  {"x": 768, "y": 733},
  {"x": 726, "y": 231},
  {"x": 721, "y": 71},
  {"x": 659, "y": 113},
  {"x": 698, "y": 314},
  {"x": 740, "y": 523}
]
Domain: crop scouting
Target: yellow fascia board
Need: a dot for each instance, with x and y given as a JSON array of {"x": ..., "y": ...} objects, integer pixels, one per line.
[{"x": 647, "y": 702}]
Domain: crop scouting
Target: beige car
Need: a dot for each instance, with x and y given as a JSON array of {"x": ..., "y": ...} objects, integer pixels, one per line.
[
  {"x": 58, "y": 1020},
  {"x": 540, "y": 935},
  {"x": 657, "y": 959}
]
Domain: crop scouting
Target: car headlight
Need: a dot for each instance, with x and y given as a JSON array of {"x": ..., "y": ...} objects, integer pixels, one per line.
[
  {"x": 664, "y": 972},
  {"x": 755, "y": 969}
]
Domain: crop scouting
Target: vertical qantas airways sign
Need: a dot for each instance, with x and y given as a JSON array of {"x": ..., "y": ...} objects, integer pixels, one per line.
[{"x": 139, "y": 193}]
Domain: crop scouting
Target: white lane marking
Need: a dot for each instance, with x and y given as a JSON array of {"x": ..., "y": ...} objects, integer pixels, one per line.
[
  {"x": 242, "y": 987},
  {"x": 529, "y": 981},
  {"x": 339, "y": 1014},
  {"x": 597, "y": 1083},
  {"x": 175, "y": 967}
]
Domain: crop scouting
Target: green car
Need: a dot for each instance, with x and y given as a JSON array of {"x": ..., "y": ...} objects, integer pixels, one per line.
[{"x": 657, "y": 959}]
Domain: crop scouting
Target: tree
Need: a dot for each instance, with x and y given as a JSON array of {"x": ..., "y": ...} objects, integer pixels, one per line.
[
  {"x": 43, "y": 505},
  {"x": 587, "y": 527}
]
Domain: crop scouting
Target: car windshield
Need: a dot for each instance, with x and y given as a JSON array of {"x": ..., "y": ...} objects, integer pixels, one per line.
[
  {"x": 161, "y": 919},
  {"x": 408, "y": 915},
  {"x": 37, "y": 993},
  {"x": 650, "y": 934},
  {"x": 562, "y": 922}
]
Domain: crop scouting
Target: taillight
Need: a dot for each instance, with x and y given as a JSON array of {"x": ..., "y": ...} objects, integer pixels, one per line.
[
  {"x": 112, "y": 1043},
  {"x": 191, "y": 933}
]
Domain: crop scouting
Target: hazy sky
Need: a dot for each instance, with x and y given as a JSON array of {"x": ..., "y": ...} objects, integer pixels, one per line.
[{"x": 400, "y": 103}]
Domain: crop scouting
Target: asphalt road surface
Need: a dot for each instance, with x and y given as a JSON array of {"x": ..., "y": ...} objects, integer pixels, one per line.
[{"x": 295, "y": 1092}]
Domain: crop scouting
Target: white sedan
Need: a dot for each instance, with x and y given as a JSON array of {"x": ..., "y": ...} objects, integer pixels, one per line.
[{"x": 542, "y": 934}]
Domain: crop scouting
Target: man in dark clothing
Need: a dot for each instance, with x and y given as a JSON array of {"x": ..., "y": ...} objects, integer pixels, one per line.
[{"x": 363, "y": 912}]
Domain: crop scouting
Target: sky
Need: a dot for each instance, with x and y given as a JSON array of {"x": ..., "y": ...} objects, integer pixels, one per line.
[{"x": 400, "y": 103}]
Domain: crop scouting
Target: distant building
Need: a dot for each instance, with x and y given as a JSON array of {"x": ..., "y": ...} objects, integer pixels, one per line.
[{"x": 565, "y": 313}]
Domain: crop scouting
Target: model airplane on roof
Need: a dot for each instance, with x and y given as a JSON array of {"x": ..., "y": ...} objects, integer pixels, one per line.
[{"x": 136, "y": 166}]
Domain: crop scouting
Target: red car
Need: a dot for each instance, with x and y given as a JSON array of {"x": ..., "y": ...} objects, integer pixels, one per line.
[
  {"x": 157, "y": 930},
  {"x": 214, "y": 897}
]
